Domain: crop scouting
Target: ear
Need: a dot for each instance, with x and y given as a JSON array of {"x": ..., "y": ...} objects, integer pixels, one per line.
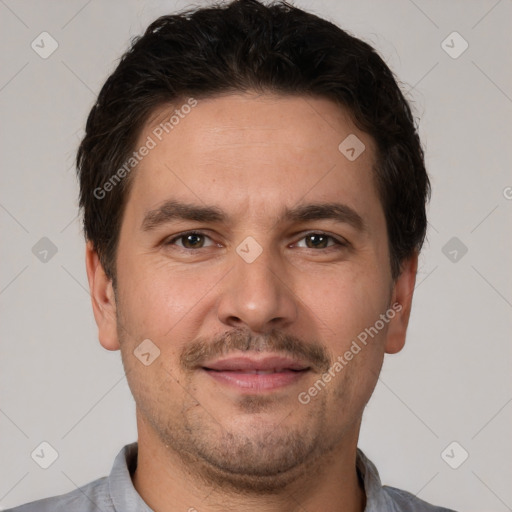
[
  {"x": 401, "y": 303},
  {"x": 103, "y": 299}
]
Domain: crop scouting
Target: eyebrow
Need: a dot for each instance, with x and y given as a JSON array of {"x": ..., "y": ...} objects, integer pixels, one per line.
[{"x": 176, "y": 210}]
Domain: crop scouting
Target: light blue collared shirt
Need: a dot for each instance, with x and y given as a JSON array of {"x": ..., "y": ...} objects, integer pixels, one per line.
[{"x": 116, "y": 492}]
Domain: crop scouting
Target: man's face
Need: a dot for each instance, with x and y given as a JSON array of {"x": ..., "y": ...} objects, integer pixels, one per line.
[{"x": 256, "y": 305}]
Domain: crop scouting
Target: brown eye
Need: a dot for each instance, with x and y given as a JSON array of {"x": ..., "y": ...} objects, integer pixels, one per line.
[
  {"x": 191, "y": 240},
  {"x": 317, "y": 241}
]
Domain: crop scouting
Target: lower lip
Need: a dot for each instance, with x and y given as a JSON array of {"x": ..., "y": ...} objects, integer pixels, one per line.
[{"x": 257, "y": 382}]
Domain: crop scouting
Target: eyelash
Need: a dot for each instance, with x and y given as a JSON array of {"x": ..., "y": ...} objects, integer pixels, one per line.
[{"x": 339, "y": 243}]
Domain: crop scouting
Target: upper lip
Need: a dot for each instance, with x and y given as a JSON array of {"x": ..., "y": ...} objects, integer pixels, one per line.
[{"x": 252, "y": 363}]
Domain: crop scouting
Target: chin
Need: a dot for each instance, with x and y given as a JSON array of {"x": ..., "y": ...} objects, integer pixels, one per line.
[{"x": 255, "y": 455}]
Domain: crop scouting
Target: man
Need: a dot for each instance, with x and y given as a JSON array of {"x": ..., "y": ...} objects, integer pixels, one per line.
[{"x": 254, "y": 192}]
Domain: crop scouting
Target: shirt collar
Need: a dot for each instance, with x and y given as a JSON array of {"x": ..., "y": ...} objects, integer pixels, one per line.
[
  {"x": 376, "y": 499},
  {"x": 124, "y": 496}
]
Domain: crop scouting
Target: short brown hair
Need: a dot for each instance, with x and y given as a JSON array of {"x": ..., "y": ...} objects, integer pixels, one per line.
[{"x": 244, "y": 46}]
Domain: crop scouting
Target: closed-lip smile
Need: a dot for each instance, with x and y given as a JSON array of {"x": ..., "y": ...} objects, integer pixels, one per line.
[{"x": 258, "y": 372}]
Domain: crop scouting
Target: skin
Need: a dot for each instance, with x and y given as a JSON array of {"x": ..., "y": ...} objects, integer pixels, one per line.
[{"x": 204, "y": 444}]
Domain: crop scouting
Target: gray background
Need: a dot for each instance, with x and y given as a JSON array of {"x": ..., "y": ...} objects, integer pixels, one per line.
[{"x": 450, "y": 383}]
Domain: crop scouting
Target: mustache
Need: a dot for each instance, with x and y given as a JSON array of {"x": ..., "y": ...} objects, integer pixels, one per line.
[{"x": 198, "y": 352}]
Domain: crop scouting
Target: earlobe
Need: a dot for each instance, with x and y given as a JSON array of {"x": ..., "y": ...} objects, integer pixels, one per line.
[
  {"x": 102, "y": 298},
  {"x": 401, "y": 303}
]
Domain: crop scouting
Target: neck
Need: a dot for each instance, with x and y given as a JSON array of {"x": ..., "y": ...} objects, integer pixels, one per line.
[{"x": 167, "y": 483}]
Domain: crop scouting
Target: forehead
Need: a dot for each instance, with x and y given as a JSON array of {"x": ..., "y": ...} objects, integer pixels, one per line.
[{"x": 253, "y": 154}]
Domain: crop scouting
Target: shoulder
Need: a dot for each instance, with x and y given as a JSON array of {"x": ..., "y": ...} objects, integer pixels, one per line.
[
  {"x": 88, "y": 498},
  {"x": 383, "y": 497},
  {"x": 407, "y": 502}
]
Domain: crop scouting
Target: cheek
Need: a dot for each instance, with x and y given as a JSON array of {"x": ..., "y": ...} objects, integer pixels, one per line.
[
  {"x": 345, "y": 304},
  {"x": 156, "y": 298},
  {"x": 156, "y": 389}
]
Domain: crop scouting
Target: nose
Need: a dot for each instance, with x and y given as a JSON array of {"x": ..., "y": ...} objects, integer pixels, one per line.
[{"x": 258, "y": 295}]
